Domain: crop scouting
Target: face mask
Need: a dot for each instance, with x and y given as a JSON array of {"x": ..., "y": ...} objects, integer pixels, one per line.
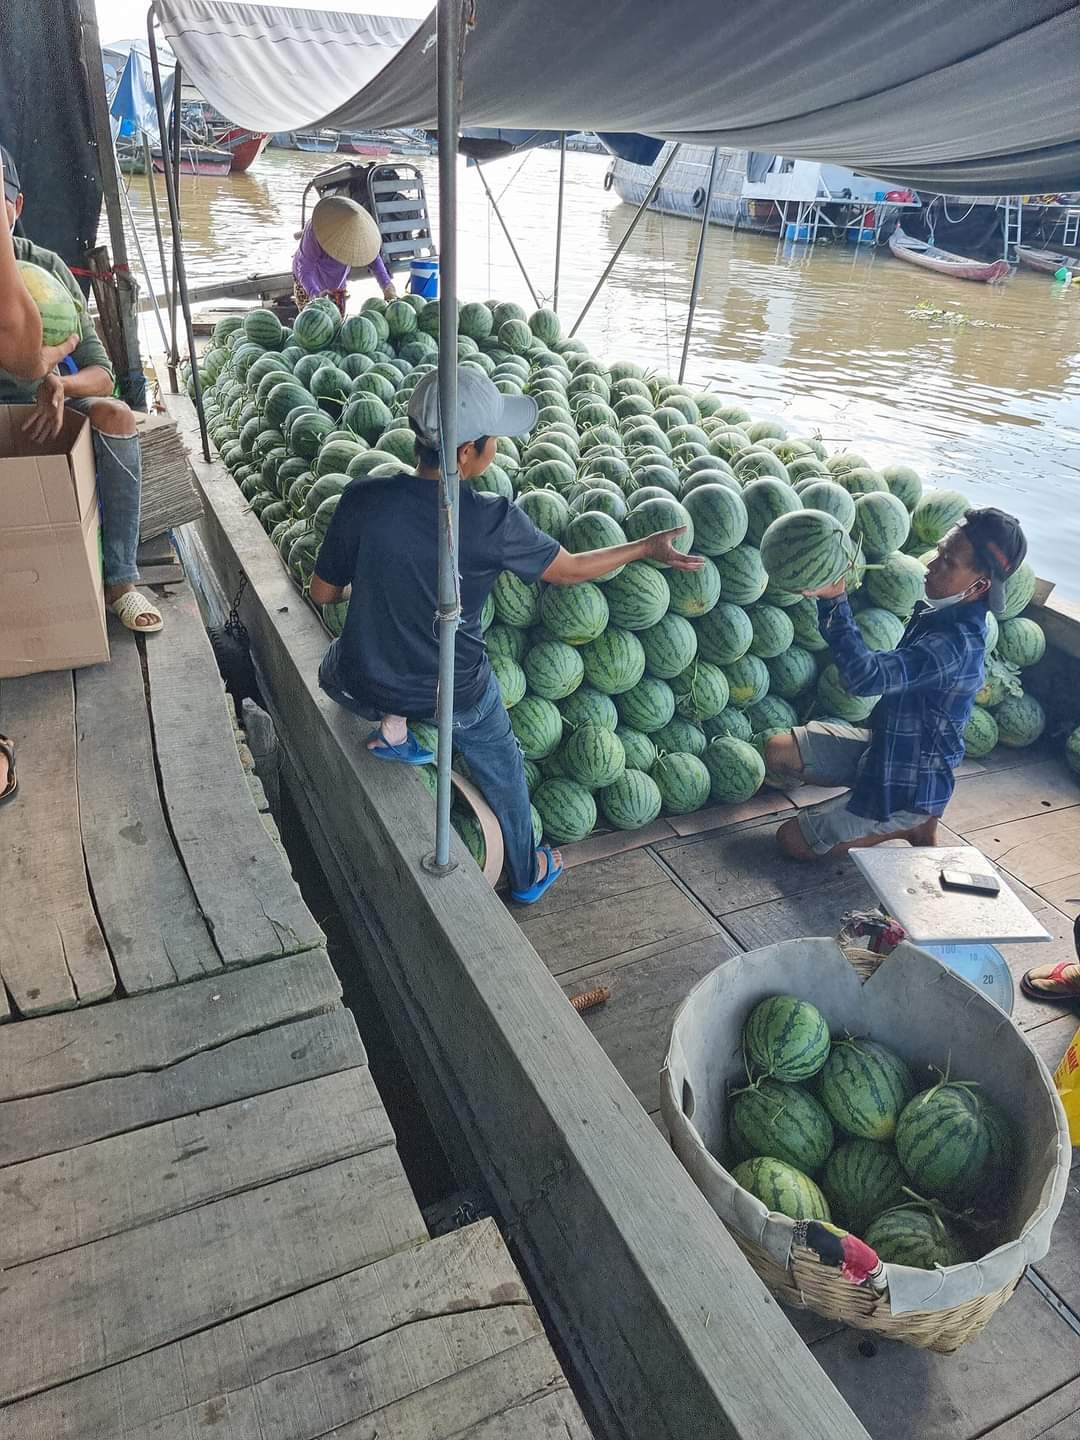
[{"x": 946, "y": 601}]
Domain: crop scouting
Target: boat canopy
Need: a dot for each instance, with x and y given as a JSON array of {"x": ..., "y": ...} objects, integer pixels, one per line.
[
  {"x": 130, "y": 85},
  {"x": 966, "y": 99}
]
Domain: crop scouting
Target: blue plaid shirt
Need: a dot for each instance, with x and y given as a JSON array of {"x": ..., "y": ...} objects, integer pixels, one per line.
[{"x": 928, "y": 685}]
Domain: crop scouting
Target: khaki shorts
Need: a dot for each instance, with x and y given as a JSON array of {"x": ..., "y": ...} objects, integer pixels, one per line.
[{"x": 830, "y": 755}]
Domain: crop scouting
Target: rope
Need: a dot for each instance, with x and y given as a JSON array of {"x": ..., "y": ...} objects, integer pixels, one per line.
[{"x": 119, "y": 269}]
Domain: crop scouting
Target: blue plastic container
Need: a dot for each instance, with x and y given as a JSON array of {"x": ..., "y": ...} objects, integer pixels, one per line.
[
  {"x": 796, "y": 232},
  {"x": 424, "y": 278}
]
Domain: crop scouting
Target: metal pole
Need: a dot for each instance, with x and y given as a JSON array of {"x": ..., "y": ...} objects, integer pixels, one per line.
[
  {"x": 653, "y": 188},
  {"x": 558, "y": 220},
  {"x": 142, "y": 257},
  {"x": 148, "y": 161},
  {"x": 174, "y": 221},
  {"x": 173, "y": 138},
  {"x": 506, "y": 232},
  {"x": 449, "y": 40},
  {"x": 699, "y": 263}
]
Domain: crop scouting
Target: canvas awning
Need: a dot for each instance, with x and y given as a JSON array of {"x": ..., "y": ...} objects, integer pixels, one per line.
[{"x": 976, "y": 98}]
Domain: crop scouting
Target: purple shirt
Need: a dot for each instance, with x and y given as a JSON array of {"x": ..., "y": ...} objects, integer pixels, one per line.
[{"x": 319, "y": 273}]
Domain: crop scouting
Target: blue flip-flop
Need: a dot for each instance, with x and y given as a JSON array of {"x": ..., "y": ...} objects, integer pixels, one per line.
[
  {"x": 411, "y": 753},
  {"x": 540, "y": 887}
]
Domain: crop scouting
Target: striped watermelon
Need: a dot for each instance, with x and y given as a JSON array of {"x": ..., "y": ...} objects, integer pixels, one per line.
[
  {"x": 683, "y": 783},
  {"x": 772, "y": 713},
  {"x": 510, "y": 677},
  {"x": 547, "y": 510},
  {"x": 748, "y": 681},
  {"x": 725, "y": 634},
  {"x": 594, "y": 756},
  {"x": 943, "y": 1142},
  {"x": 652, "y": 516},
  {"x": 980, "y": 733},
  {"x": 766, "y": 500},
  {"x": 1072, "y": 751},
  {"x": 782, "y": 1188},
  {"x": 773, "y": 631},
  {"x": 719, "y": 516},
  {"x": 594, "y": 531},
  {"x": 861, "y": 481},
  {"x": 262, "y": 327},
  {"x": 630, "y": 802},
  {"x": 759, "y": 464},
  {"x": 792, "y": 673},
  {"x": 1019, "y": 591},
  {"x": 638, "y": 597},
  {"x": 880, "y": 629},
  {"x": 782, "y": 1121},
  {"x": 574, "y": 613},
  {"x": 881, "y": 524},
  {"x": 806, "y": 550},
  {"x": 587, "y": 706},
  {"x": 678, "y": 735},
  {"x": 314, "y": 328},
  {"x": 694, "y": 592},
  {"x": 639, "y": 748},
  {"x": 553, "y": 669},
  {"x": 861, "y": 1179},
  {"x": 538, "y": 726},
  {"x": 614, "y": 661},
  {"x": 827, "y": 496},
  {"x": 567, "y": 810},
  {"x": 742, "y": 575},
  {"x": 358, "y": 336},
  {"x": 729, "y": 722},
  {"x": 937, "y": 513},
  {"x": 865, "y": 1087},
  {"x": 898, "y": 585},
  {"x": 736, "y": 771},
  {"x": 515, "y": 602},
  {"x": 914, "y": 1235},
  {"x": 701, "y": 691},
  {"x": 649, "y": 705},
  {"x": 1020, "y": 721},
  {"x": 1021, "y": 642},
  {"x": 786, "y": 1039},
  {"x": 670, "y": 646},
  {"x": 506, "y": 641},
  {"x": 834, "y": 699},
  {"x": 904, "y": 483}
]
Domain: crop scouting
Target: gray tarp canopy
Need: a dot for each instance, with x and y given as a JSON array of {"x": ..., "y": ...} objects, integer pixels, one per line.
[{"x": 976, "y": 98}]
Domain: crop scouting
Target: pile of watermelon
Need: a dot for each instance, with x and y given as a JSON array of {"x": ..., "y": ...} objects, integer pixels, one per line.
[
  {"x": 838, "y": 1130},
  {"x": 651, "y": 691}
]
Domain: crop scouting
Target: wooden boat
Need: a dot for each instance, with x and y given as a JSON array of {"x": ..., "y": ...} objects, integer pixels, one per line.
[
  {"x": 245, "y": 146},
  {"x": 323, "y": 141},
  {"x": 198, "y": 160},
  {"x": 930, "y": 257},
  {"x": 1047, "y": 262},
  {"x": 365, "y": 142}
]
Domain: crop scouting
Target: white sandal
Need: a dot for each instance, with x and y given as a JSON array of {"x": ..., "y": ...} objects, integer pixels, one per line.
[{"x": 130, "y": 606}]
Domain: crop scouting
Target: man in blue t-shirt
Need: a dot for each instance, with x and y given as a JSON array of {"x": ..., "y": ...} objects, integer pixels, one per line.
[{"x": 384, "y": 542}]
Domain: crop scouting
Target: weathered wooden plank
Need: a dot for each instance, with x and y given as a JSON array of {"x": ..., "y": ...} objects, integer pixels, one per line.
[
  {"x": 613, "y": 842},
  {"x": 143, "y": 897},
  {"x": 812, "y": 912},
  {"x": 124, "y": 1295},
  {"x": 285, "y": 1055},
  {"x": 60, "y": 1201},
  {"x": 599, "y": 929},
  {"x": 600, "y": 880},
  {"x": 1050, "y": 1041},
  {"x": 52, "y": 953},
  {"x": 1038, "y": 850},
  {"x": 1061, "y": 1267},
  {"x": 721, "y": 817},
  {"x": 1065, "y": 894},
  {"x": 149, "y": 1032},
  {"x": 1000, "y": 796},
  {"x": 1020, "y": 958},
  {"x": 901, "y": 1393},
  {"x": 467, "y": 1271},
  {"x": 1055, "y": 1418},
  {"x": 245, "y": 891}
]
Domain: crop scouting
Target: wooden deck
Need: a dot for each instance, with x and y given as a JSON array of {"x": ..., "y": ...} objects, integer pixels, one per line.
[
  {"x": 207, "y": 1229},
  {"x": 648, "y": 921}
]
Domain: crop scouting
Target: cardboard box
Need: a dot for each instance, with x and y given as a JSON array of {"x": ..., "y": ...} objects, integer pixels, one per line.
[{"x": 52, "y": 600}]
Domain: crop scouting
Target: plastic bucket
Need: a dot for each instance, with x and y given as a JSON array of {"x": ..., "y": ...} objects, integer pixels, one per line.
[
  {"x": 796, "y": 232},
  {"x": 424, "y": 278}
]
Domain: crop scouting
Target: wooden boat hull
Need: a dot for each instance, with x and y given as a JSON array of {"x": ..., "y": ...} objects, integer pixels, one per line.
[
  {"x": 199, "y": 162},
  {"x": 319, "y": 144},
  {"x": 245, "y": 146},
  {"x": 944, "y": 262},
  {"x": 1047, "y": 262}
]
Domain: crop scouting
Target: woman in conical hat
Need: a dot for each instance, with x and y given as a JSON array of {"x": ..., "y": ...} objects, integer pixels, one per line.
[{"x": 339, "y": 236}]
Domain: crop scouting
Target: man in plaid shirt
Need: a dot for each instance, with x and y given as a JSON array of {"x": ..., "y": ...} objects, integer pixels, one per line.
[{"x": 900, "y": 770}]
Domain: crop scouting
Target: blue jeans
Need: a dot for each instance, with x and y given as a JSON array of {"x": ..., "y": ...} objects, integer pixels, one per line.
[
  {"x": 482, "y": 734},
  {"x": 119, "y": 483}
]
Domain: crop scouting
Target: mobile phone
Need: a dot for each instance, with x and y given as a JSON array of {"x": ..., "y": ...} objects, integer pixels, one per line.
[{"x": 965, "y": 880}]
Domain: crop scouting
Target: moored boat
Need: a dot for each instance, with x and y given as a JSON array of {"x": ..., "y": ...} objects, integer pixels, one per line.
[
  {"x": 1047, "y": 262},
  {"x": 245, "y": 146},
  {"x": 321, "y": 141},
  {"x": 198, "y": 160},
  {"x": 930, "y": 257}
]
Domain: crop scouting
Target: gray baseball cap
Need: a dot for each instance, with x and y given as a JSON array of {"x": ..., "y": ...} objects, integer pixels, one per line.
[
  {"x": 12, "y": 185},
  {"x": 481, "y": 410}
]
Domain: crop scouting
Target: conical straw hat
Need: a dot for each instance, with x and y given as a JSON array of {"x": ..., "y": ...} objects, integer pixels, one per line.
[{"x": 345, "y": 230}]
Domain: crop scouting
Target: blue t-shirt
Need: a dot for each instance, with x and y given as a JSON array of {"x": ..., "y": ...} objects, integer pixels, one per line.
[{"x": 384, "y": 541}]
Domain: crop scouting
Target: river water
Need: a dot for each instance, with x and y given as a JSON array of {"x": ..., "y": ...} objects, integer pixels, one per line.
[{"x": 987, "y": 402}]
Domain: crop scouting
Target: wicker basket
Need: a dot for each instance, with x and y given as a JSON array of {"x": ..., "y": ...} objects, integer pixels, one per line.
[{"x": 806, "y": 1281}]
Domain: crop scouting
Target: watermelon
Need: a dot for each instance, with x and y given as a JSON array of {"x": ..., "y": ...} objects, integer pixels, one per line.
[
  {"x": 1019, "y": 591},
  {"x": 898, "y": 585},
  {"x": 553, "y": 669},
  {"x": 938, "y": 512},
  {"x": 701, "y": 691},
  {"x": 314, "y": 328},
  {"x": 791, "y": 673},
  {"x": 594, "y": 531},
  {"x": 719, "y": 518},
  {"x": 307, "y": 434},
  {"x": 782, "y": 1121},
  {"x": 56, "y": 305},
  {"x": 880, "y": 629},
  {"x": 516, "y": 603},
  {"x": 748, "y": 681},
  {"x": 510, "y": 677},
  {"x": 545, "y": 325},
  {"x": 468, "y": 828},
  {"x": 614, "y": 661},
  {"x": 725, "y": 634},
  {"x": 881, "y": 524},
  {"x": 638, "y": 596},
  {"x": 861, "y": 1179},
  {"x": 367, "y": 416},
  {"x": 759, "y": 464},
  {"x": 678, "y": 735},
  {"x": 475, "y": 320},
  {"x": 606, "y": 502},
  {"x": 1020, "y": 721},
  {"x": 766, "y": 500},
  {"x": 736, "y": 771},
  {"x": 742, "y": 573},
  {"x": 683, "y": 782},
  {"x": 915, "y": 1235},
  {"x": 547, "y": 510},
  {"x": 729, "y": 722},
  {"x": 861, "y": 481},
  {"x": 806, "y": 550},
  {"x": 648, "y": 706},
  {"x": 566, "y": 809},
  {"x": 834, "y": 699},
  {"x": 943, "y": 1142},
  {"x": 694, "y": 592},
  {"x": 773, "y": 631},
  {"x": 575, "y": 613},
  {"x": 538, "y": 726},
  {"x": 594, "y": 756},
  {"x": 782, "y": 1188},
  {"x": 786, "y": 1039},
  {"x": 980, "y": 733},
  {"x": 865, "y": 1087},
  {"x": 904, "y": 483},
  {"x": 631, "y": 801},
  {"x": 1021, "y": 642},
  {"x": 1072, "y": 751},
  {"x": 639, "y": 748},
  {"x": 358, "y": 336},
  {"x": 670, "y": 645},
  {"x": 773, "y": 713},
  {"x": 587, "y": 706},
  {"x": 652, "y": 516},
  {"x": 504, "y": 640},
  {"x": 827, "y": 496}
]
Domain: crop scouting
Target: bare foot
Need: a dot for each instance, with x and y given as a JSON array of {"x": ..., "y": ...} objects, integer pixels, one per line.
[
  {"x": 542, "y": 863},
  {"x": 793, "y": 843},
  {"x": 5, "y": 772},
  {"x": 393, "y": 731},
  {"x": 142, "y": 622}
]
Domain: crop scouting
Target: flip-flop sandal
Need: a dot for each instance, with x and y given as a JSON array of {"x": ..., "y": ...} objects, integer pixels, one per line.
[
  {"x": 130, "y": 606},
  {"x": 7, "y": 747},
  {"x": 411, "y": 753},
  {"x": 539, "y": 887},
  {"x": 1058, "y": 988}
]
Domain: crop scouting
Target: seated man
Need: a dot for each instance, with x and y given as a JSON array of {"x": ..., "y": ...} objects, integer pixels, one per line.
[
  {"x": 899, "y": 771},
  {"x": 89, "y": 390}
]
